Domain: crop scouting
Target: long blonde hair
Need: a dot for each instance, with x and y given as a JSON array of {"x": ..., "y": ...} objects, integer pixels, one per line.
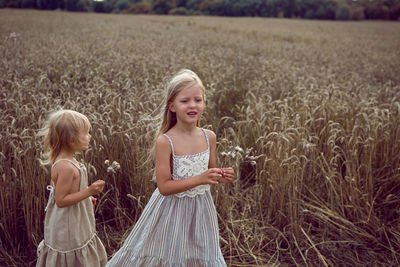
[
  {"x": 60, "y": 131},
  {"x": 183, "y": 79}
]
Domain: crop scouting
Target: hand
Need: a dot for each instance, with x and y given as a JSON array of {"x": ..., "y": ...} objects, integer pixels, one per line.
[
  {"x": 97, "y": 187},
  {"x": 211, "y": 176},
  {"x": 94, "y": 200},
  {"x": 228, "y": 174}
]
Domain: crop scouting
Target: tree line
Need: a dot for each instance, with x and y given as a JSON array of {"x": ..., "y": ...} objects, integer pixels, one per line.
[{"x": 308, "y": 9}]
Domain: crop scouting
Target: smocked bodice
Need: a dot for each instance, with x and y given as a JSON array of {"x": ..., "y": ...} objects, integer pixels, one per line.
[{"x": 190, "y": 165}]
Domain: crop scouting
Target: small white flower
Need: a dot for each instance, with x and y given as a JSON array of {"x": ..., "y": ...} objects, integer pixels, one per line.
[
  {"x": 239, "y": 149},
  {"x": 107, "y": 162},
  {"x": 110, "y": 169},
  {"x": 115, "y": 165}
]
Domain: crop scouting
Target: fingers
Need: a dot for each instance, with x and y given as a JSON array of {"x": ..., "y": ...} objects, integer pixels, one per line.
[
  {"x": 215, "y": 172},
  {"x": 100, "y": 182},
  {"x": 98, "y": 186},
  {"x": 211, "y": 176},
  {"x": 222, "y": 175},
  {"x": 227, "y": 170},
  {"x": 215, "y": 175},
  {"x": 228, "y": 174},
  {"x": 216, "y": 181},
  {"x": 94, "y": 201}
]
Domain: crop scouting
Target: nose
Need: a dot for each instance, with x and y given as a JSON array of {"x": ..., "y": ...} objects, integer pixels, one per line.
[{"x": 192, "y": 103}]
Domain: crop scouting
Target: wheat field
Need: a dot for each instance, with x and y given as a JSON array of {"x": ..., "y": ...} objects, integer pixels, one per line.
[{"x": 307, "y": 112}]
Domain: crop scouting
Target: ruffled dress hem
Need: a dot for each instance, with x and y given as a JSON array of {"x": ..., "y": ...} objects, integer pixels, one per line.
[
  {"x": 91, "y": 253},
  {"x": 145, "y": 261}
]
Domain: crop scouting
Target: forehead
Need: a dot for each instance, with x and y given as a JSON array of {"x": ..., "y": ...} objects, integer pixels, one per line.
[{"x": 194, "y": 90}]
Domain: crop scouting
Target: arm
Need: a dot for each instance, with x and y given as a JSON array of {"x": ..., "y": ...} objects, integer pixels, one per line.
[
  {"x": 165, "y": 184},
  {"x": 67, "y": 179}
]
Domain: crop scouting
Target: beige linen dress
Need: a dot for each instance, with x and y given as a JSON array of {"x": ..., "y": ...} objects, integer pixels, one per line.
[{"x": 70, "y": 237}]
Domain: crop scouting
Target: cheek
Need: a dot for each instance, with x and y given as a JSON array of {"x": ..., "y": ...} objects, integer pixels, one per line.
[
  {"x": 73, "y": 142},
  {"x": 202, "y": 106}
]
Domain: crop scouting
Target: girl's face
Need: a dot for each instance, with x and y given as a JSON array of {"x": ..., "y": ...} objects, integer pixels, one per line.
[
  {"x": 188, "y": 104},
  {"x": 82, "y": 143}
]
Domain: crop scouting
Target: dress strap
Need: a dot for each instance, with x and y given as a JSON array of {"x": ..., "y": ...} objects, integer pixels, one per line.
[
  {"x": 208, "y": 142},
  {"x": 71, "y": 161},
  {"x": 50, "y": 188},
  {"x": 172, "y": 146}
]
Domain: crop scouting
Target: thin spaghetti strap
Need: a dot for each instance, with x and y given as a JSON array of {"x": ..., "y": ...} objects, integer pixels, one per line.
[
  {"x": 172, "y": 146},
  {"x": 71, "y": 161},
  {"x": 208, "y": 142}
]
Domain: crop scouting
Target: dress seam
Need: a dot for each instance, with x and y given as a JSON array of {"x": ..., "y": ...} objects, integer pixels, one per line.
[{"x": 71, "y": 250}]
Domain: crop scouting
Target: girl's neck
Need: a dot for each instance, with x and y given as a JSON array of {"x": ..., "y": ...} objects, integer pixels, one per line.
[
  {"x": 66, "y": 154},
  {"x": 185, "y": 128}
]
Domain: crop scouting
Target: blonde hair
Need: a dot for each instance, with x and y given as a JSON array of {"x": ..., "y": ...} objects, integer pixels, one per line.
[
  {"x": 60, "y": 131},
  {"x": 185, "y": 78}
]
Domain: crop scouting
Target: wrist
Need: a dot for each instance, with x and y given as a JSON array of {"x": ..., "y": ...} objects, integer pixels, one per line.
[
  {"x": 89, "y": 191},
  {"x": 197, "y": 180}
]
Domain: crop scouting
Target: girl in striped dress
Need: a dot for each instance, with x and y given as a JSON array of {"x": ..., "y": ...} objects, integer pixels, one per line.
[{"x": 178, "y": 226}]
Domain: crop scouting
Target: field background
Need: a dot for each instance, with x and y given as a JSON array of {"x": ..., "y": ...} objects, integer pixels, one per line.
[{"x": 307, "y": 112}]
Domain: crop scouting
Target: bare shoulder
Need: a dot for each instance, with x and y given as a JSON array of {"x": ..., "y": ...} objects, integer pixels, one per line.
[
  {"x": 162, "y": 143},
  {"x": 64, "y": 166},
  {"x": 211, "y": 135},
  {"x": 63, "y": 169}
]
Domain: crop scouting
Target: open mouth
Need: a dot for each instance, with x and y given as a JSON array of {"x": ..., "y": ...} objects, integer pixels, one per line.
[{"x": 192, "y": 113}]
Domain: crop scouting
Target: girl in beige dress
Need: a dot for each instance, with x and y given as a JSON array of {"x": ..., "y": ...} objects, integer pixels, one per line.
[{"x": 70, "y": 237}]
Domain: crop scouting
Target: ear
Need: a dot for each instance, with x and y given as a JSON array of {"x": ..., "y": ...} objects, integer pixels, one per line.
[{"x": 171, "y": 107}]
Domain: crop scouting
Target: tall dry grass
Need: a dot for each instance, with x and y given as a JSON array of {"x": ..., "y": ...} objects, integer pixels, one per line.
[{"x": 307, "y": 112}]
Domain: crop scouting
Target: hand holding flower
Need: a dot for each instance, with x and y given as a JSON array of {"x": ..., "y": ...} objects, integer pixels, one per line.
[{"x": 228, "y": 174}]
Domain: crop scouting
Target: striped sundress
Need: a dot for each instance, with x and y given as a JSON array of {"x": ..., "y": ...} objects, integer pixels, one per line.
[{"x": 176, "y": 230}]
